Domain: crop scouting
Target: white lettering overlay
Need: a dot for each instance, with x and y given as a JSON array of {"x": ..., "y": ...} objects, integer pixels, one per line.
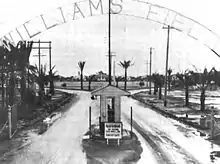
[{"x": 138, "y": 8}]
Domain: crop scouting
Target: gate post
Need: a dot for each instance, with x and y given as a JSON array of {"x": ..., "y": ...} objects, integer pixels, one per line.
[
  {"x": 131, "y": 121},
  {"x": 212, "y": 125},
  {"x": 90, "y": 128},
  {"x": 9, "y": 121}
]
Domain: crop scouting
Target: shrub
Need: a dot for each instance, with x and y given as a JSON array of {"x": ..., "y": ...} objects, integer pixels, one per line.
[
  {"x": 141, "y": 83},
  {"x": 63, "y": 85}
]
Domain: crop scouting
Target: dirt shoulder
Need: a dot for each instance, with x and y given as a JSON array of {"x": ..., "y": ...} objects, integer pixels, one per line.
[{"x": 175, "y": 109}]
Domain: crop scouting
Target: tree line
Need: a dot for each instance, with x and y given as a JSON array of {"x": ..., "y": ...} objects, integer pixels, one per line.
[{"x": 189, "y": 78}]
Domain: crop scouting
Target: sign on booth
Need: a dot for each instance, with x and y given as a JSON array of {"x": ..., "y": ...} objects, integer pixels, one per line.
[{"x": 113, "y": 130}]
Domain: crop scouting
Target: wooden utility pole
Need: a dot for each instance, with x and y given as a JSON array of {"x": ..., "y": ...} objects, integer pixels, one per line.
[
  {"x": 109, "y": 42},
  {"x": 39, "y": 55},
  {"x": 110, "y": 59},
  {"x": 50, "y": 67},
  {"x": 39, "y": 52},
  {"x": 114, "y": 80},
  {"x": 90, "y": 123},
  {"x": 150, "y": 69},
  {"x": 131, "y": 122},
  {"x": 166, "y": 69},
  {"x": 147, "y": 80}
]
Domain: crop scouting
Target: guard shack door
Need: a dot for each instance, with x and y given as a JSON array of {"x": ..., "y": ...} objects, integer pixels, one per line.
[{"x": 111, "y": 109}]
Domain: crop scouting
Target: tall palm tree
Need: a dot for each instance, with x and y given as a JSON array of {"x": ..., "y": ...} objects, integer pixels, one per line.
[
  {"x": 204, "y": 84},
  {"x": 3, "y": 64},
  {"x": 21, "y": 54},
  {"x": 125, "y": 64},
  {"x": 81, "y": 65},
  {"x": 169, "y": 71},
  {"x": 11, "y": 59}
]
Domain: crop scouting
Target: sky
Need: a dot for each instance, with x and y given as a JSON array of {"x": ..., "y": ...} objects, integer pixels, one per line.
[{"x": 85, "y": 39}]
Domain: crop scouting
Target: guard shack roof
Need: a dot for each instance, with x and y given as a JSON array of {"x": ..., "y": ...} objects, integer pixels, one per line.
[{"x": 110, "y": 90}]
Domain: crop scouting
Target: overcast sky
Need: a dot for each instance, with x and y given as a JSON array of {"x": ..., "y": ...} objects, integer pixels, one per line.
[{"x": 85, "y": 39}]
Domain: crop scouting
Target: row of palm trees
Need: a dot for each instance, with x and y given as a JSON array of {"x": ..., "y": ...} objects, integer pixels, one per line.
[
  {"x": 16, "y": 69},
  {"x": 188, "y": 78},
  {"x": 124, "y": 64}
]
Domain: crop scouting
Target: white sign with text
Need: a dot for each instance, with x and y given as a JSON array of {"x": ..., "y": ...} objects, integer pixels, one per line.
[{"x": 113, "y": 130}]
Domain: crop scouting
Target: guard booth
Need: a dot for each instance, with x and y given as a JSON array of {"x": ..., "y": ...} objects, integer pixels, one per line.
[{"x": 110, "y": 124}]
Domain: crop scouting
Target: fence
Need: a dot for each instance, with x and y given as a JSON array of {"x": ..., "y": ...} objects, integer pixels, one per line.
[{"x": 10, "y": 125}]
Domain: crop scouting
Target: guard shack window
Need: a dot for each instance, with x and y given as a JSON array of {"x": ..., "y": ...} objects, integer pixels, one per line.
[{"x": 111, "y": 109}]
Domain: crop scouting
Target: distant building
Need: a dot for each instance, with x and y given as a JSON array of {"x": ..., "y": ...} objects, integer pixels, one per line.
[{"x": 101, "y": 76}]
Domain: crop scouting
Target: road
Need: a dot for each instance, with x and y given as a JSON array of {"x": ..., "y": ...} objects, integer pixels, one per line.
[
  {"x": 163, "y": 140},
  {"x": 171, "y": 141}
]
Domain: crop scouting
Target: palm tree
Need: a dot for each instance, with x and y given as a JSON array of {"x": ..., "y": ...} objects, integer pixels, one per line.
[
  {"x": 90, "y": 78},
  {"x": 214, "y": 77},
  {"x": 169, "y": 71},
  {"x": 81, "y": 65},
  {"x": 202, "y": 80},
  {"x": 41, "y": 78},
  {"x": 125, "y": 64},
  {"x": 153, "y": 78},
  {"x": 52, "y": 75},
  {"x": 204, "y": 84},
  {"x": 3, "y": 63},
  {"x": 11, "y": 86},
  {"x": 117, "y": 79},
  {"x": 186, "y": 81},
  {"x": 10, "y": 63},
  {"x": 20, "y": 55},
  {"x": 158, "y": 81}
]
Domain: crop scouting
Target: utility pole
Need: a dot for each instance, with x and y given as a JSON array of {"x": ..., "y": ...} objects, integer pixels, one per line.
[
  {"x": 150, "y": 69},
  {"x": 110, "y": 59},
  {"x": 39, "y": 56},
  {"x": 39, "y": 53},
  {"x": 166, "y": 69},
  {"x": 109, "y": 42},
  {"x": 114, "y": 80},
  {"x": 50, "y": 67},
  {"x": 147, "y": 80}
]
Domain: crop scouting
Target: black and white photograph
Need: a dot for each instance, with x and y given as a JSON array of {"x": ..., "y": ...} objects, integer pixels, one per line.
[{"x": 109, "y": 82}]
